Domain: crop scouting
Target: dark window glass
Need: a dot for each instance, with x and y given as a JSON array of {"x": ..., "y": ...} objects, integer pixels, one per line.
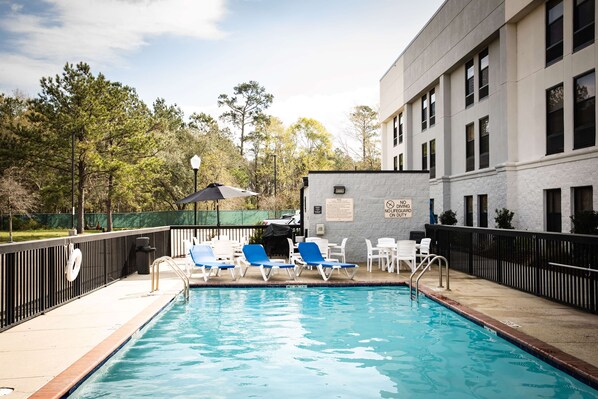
[
  {"x": 424, "y": 156},
  {"x": 583, "y": 199},
  {"x": 424, "y": 111},
  {"x": 484, "y": 143},
  {"x": 583, "y": 24},
  {"x": 554, "y": 31},
  {"x": 555, "y": 124},
  {"x": 394, "y": 131},
  {"x": 400, "y": 128},
  {"x": 395, "y": 163},
  {"x": 484, "y": 73},
  {"x": 469, "y": 83},
  {"x": 400, "y": 161},
  {"x": 483, "y": 210},
  {"x": 432, "y": 159},
  {"x": 469, "y": 148},
  {"x": 469, "y": 210},
  {"x": 553, "y": 210},
  {"x": 432, "y": 107},
  {"x": 584, "y": 114}
]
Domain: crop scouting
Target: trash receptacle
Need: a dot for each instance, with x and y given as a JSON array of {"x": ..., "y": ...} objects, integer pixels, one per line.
[{"x": 144, "y": 254}]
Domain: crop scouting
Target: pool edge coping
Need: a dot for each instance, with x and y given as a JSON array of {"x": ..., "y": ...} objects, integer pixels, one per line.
[{"x": 73, "y": 376}]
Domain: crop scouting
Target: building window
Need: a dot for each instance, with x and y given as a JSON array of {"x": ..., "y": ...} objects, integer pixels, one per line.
[
  {"x": 394, "y": 163},
  {"x": 582, "y": 199},
  {"x": 469, "y": 148},
  {"x": 424, "y": 111},
  {"x": 432, "y": 107},
  {"x": 400, "y": 161},
  {"x": 484, "y": 143},
  {"x": 400, "y": 128},
  {"x": 469, "y": 210},
  {"x": 483, "y": 210},
  {"x": 432, "y": 159},
  {"x": 469, "y": 83},
  {"x": 554, "y": 31},
  {"x": 583, "y": 24},
  {"x": 484, "y": 73},
  {"x": 425, "y": 156},
  {"x": 584, "y": 114},
  {"x": 553, "y": 210},
  {"x": 394, "y": 131},
  {"x": 555, "y": 123}
]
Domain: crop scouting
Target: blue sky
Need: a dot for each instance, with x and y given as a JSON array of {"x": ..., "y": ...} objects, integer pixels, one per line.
[{"x": 319, "y": 58}]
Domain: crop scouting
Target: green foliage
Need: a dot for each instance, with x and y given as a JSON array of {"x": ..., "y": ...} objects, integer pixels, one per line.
[
  {"x": 448, "y": 218},
  {"x": 503, "y": 218},
  {"x": 366, "y": 130},
  {"x": 585, "y": 222}
]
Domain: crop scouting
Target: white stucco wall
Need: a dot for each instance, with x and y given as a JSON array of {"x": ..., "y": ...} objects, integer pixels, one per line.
[{"x": 368, "y": 190}]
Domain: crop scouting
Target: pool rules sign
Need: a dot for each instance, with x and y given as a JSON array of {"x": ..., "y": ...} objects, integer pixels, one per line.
[{"x": 397, "y": 209}]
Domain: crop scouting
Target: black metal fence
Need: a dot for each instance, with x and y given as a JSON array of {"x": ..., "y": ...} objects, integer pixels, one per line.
[
  {"x": 32, "y": 274},
  {"x": 560, "y": 267}
]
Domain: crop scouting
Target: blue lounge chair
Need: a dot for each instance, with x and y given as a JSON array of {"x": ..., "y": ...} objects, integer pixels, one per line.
[
  {"x": 203, "y": 257},
  {"x": 310, "y": 252},
  {"x": 255, "y": 255}
]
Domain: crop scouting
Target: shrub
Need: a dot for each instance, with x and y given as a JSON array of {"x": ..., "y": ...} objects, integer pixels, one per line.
[
  {"x": 503, "y": 218},
  {"x": 585, "y": 222},
  {"x": 448, "y": 217}
]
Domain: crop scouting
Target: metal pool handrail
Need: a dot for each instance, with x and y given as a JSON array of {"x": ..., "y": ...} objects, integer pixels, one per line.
[
  {"x": 177, "y": 270},
  {"x": 430, "y": 259}
]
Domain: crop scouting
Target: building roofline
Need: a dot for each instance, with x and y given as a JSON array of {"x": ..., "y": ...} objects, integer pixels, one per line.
[{"x": 330, "y": 172}]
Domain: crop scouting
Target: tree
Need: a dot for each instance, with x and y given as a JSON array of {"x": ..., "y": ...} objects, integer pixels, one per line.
[
  {"x": 365, "y": 129},
  {"x": 448, "y": 218},
  {"x": 503, "y": 218},
  {"x": 245, "y": 108},
  {"x": 15, "y": 197}
]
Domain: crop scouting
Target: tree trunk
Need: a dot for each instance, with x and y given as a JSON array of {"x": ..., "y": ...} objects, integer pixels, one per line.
[
  {"x": 9, "y": 226},
  {"x": 81, "y": 199},
  {"x": 109, "y": 202}
]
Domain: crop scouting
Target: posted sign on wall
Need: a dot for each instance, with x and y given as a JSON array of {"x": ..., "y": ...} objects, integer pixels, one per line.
[
  {"x": 339, "y": 209},
  {"x": 397, "y": 209}
]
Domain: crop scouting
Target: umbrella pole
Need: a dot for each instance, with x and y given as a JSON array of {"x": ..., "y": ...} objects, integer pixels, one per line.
[{"x": 218, "y": 218}]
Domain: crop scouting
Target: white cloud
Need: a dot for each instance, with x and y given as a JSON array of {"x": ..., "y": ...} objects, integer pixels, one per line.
[{"x": 102, "y": 32}]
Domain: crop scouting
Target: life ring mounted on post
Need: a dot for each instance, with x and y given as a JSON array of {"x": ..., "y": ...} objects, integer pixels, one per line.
[{"x": 73, "y": 265}]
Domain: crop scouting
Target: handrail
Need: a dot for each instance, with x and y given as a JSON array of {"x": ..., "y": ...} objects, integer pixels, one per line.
[
  {"x": 585, "y": 269},
  {"x": 431, "y": 258},
  {"x": 177, "y": 270}
]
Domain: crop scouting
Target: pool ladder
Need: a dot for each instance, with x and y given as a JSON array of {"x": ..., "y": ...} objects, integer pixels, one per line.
[
  {"x": 177, "y": 270},
  {"x": 428, "y": 260}
]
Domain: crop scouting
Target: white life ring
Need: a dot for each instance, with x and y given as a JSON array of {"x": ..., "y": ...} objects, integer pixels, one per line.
[{"x": 73, "y": 266}]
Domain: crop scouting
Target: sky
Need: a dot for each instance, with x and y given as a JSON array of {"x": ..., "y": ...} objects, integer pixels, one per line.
[{"x": 319, "y": 58}]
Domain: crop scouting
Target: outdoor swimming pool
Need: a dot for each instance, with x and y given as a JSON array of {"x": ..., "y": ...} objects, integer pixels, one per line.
[{"x": 331, "y": 342}]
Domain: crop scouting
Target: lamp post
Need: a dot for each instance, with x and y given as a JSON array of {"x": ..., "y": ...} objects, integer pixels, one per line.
[
  {"x": 195, "y": 163},
  {"x": 275, "y": 184}
]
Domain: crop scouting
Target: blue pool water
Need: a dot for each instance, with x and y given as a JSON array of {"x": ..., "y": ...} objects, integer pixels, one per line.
[{"x": 364, "y": 342}]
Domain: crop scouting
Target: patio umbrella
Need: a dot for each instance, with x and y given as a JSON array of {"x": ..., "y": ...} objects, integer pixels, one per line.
[{"x": 216, "y": 192}]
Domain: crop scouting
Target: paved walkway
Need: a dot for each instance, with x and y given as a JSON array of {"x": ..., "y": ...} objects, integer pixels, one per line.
[{"x": 47, "y": 354}]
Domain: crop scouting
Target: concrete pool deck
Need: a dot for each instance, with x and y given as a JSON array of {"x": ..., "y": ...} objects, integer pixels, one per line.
[{"x": 45, "y": 356}]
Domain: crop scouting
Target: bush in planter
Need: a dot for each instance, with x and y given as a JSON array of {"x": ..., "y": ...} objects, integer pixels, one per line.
[
  {"x": 448, "y": 217},
  {"x": 585, "y": 222},
  {"x": 503, "y": 218}
]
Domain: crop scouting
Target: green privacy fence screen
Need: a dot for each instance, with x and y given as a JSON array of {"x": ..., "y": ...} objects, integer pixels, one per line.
[{"x": 155, "y": 219}]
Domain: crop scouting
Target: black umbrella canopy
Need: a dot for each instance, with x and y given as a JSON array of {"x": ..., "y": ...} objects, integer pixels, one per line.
[{"x": 215, "y": 192}]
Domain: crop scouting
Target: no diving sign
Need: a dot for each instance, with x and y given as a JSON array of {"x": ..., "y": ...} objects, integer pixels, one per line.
[{"x": 397, "y": 209}]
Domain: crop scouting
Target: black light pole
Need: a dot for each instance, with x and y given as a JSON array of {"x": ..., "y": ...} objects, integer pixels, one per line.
[
  {"x": 195, "y": 163},
  {"x": 275, "y": 185},
  {"x": 72, "y": 182}
]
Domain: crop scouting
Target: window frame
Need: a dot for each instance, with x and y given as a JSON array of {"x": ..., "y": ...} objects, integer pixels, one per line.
[
  {"x": 394, "y": 131},
  {"x": 432, "y": 107},
  {"x": 469, "y": 147},
  {"x": 579, "y": 132},
  {"x": 401, "y": 165},
  {"x": 484, "y": 139},
  {"x": 555, "y": 142},
  {"x": 424, "y": 113},
  {"x": 554, "y": 221},
  {"x": 484, "y": 74},
  {"x": 483, "y": 210},
  {"x": 578, "y": 194},
  {"x": 433, "y": 159},
  {"x": 425, "y": 156},
  {"x": 468, "y": 211},
  {"x": 554, "y": 51},
  {"x": 395, "y": 163},
  {"x": 469, "y": 91},
  {"x": 400, "y": 128},
  {"x": 588, "y": 29}
]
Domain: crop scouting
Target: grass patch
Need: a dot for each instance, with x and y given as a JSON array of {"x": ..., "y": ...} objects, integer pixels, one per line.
[{"x": 31, "y": 235}]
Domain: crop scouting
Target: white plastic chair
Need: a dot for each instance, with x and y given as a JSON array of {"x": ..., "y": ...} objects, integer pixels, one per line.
[
  {"x": 224, "y": 249},
  {"x": 339, "y": 251},
  {"x": 406, "y": 252},
  {"x": 374, "y": 253},
  {"x": 424, "y": 248},
  {"x": 322, "y": 243},
  {"x": 188, "y": 261}
]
